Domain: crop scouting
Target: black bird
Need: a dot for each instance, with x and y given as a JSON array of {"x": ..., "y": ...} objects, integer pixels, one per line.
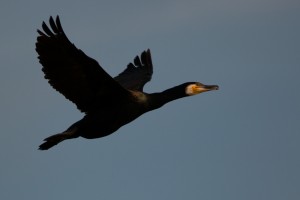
[{"x": 108, "y": 103}]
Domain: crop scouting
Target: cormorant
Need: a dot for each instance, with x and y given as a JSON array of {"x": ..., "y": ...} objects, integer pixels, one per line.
[{"x": 108, "y": 103}]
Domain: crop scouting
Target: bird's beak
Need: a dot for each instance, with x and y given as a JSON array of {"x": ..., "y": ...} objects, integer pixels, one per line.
[
  {"x": 209, "y": 87},
  {"x": 204, "y": 88},
  {"x": 198, "y": 88}
]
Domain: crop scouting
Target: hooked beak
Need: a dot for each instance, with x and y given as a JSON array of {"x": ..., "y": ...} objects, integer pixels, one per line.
[
  {"x": 198, "y": 88},
  {"x": 209, "y": 87}
]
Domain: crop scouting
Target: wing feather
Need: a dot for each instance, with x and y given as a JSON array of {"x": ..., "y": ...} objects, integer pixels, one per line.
[
  {"x": 138, "y": 73},
  {"x": 75, "y": 75}
]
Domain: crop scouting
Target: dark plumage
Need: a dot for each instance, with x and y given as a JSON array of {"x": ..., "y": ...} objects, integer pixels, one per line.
[{"x": 108, "y": 103}]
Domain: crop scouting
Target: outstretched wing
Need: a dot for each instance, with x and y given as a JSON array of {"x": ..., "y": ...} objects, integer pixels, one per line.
[
  {"x": 138, "y": 73},
  {"x": 75, "y": 75}
]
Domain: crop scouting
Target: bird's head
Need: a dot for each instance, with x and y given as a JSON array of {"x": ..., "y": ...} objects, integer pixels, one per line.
[{"x": 193, "y": 88}]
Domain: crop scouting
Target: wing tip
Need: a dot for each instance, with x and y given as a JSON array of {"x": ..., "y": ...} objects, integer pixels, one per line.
[
  {"x": 53, "y": 29},
  {"x": 146, "y": 58}
]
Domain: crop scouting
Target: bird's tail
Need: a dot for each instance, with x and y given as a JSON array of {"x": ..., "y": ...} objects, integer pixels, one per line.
[{"x": 55, "y": 139}]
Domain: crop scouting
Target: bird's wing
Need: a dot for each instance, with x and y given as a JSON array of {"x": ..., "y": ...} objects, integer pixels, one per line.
[
  {"x": 75, "y": 75},
  {"x": 138, "y": 73}
]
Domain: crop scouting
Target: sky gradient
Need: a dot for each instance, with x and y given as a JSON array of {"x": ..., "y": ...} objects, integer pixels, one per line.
[{"x": 241, "y": 142}]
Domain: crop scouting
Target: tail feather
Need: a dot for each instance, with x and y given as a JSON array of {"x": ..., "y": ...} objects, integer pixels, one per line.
[{"x": 54, "y": 140}]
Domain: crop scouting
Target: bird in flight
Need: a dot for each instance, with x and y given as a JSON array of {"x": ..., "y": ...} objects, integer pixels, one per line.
[{"x": 108, "y": 103}]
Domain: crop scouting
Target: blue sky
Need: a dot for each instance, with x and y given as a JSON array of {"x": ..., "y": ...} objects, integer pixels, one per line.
[{"x": 241, "y": 142}]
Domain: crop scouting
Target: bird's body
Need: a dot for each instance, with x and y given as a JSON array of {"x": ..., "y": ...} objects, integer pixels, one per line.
[
  {"x": 108, "y": 103},
  {"x": 107, "y": 121}
]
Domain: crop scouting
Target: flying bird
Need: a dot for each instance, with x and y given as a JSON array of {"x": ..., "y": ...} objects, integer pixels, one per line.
[{"x": 108, "y": 103}]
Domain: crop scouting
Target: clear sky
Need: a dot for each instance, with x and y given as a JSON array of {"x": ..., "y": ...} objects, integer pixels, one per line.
[{"x": 238, "y": 143}]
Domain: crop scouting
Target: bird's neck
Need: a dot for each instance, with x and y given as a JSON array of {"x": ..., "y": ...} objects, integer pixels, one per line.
[{"x": 157, "y": 100}]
